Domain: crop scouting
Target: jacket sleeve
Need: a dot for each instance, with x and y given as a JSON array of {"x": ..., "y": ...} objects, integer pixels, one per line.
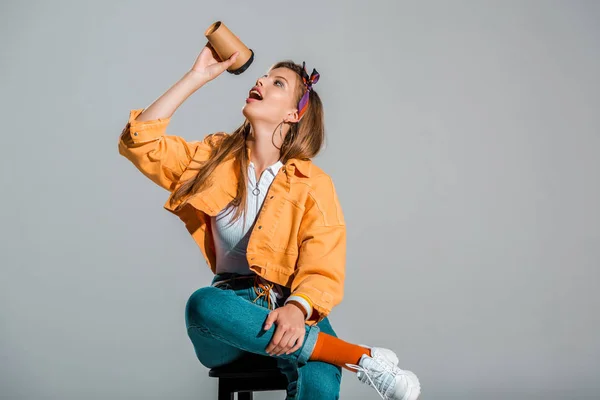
[
  {"x": 321, "y": 266},
  {"x": 160, "y": 157}
]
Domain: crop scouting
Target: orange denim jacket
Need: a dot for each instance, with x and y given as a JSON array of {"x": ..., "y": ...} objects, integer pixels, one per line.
[{"x": 299, "y": 238}]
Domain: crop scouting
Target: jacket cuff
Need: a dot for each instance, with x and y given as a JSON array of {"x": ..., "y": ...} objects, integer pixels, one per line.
[
  {"x": 146, "y": 131},
  {"x": 302, "y": 300}
]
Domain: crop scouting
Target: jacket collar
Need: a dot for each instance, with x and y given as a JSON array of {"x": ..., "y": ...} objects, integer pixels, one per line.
[{"x": 304, "y": 166}]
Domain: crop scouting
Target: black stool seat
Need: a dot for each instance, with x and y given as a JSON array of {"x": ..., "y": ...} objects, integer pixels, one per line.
[{"x": 250, "y": 373}]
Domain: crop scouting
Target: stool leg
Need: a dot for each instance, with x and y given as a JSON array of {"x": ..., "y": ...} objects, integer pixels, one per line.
[
  {"x": 225, "y": 392},
  {"x": 244, "y": 396}
]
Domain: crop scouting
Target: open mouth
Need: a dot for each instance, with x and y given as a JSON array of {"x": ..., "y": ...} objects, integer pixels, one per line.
[{"x": 255, "y": 95}]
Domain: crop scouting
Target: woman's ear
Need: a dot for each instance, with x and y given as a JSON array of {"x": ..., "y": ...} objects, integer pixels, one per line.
[{"x": 292, "y": 117}]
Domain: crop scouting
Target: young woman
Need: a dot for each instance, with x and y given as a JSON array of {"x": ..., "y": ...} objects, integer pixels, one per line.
[{"x": 270, "y": 226}]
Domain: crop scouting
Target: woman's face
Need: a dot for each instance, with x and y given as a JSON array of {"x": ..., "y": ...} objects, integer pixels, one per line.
[{"x": 277, "y": 99}]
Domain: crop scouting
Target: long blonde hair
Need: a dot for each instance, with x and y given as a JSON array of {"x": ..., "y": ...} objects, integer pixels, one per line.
[{"x": 303, "y": 141}]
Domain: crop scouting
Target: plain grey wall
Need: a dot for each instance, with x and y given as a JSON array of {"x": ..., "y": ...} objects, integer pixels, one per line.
[{"x": 463, "y": 139}]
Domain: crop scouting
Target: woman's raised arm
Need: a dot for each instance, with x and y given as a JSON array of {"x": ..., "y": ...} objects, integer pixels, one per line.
[{"x": 161, "y": 157}]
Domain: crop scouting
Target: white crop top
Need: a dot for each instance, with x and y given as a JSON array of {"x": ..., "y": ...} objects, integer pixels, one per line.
[{"x": 231, "y": 240}]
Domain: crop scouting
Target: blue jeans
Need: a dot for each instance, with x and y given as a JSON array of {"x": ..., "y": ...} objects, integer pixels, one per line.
[{"x": 225, "y": 322}]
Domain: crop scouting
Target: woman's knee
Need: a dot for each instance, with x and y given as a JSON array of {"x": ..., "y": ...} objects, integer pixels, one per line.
[{"x": 202, "y": 307}]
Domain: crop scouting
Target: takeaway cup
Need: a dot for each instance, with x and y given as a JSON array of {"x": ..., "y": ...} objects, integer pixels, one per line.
[{"x": 225, "y": 43}]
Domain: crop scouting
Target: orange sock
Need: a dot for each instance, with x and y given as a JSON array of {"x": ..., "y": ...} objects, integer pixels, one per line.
[{"x": 335, "y": 351}]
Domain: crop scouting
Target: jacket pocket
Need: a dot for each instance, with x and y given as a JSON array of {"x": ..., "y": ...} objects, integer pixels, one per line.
[{"x": 285, "y": 235}]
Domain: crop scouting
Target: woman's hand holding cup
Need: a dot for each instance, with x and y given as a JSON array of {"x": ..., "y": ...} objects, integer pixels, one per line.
[{"x": 208, "y": 65}]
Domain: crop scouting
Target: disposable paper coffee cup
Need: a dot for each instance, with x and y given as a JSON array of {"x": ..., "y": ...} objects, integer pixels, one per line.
[{"x": 226, "y": 43}]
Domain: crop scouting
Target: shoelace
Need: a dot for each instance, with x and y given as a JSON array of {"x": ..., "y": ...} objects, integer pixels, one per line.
[
  {"x": 387, "y": 367},
  {"x": 266, "y": 291}
]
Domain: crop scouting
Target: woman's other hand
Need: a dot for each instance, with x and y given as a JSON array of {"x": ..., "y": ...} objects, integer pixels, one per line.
[
  {"x": 208, "y": 65},
  {"x": 289, "y": 330}
]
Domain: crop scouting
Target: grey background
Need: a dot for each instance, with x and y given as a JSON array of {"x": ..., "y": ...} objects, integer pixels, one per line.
[{"x": 463, "y": 139}]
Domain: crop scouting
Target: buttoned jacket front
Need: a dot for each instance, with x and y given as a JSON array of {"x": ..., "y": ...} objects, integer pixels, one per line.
[{"x": 299, "y": 236}]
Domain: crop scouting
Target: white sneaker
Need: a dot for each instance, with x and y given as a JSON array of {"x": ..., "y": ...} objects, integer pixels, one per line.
[
  {"x": 390, "y": 382},
  {"x": 380, "y": 352}
]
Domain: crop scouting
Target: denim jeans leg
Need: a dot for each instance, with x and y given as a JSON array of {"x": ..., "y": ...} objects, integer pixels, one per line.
[
  {"x": 212, "y": 352},
  {"x": 313, "y": 379},
  {"x": 229, "y": 318}
]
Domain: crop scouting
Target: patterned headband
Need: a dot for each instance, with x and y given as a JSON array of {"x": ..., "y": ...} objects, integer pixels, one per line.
[{"x": 308, "y": 82}]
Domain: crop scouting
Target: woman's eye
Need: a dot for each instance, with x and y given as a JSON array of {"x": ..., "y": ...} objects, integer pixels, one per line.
[{"x": 278, "y": 81}]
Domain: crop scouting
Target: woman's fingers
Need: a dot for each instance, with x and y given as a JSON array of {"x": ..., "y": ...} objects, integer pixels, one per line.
[
  {"x": 271, "y": 318},
  {"x": 229, "y": 62},
  {"x": 287, "y": 341},
  {"x": 299, "y": 341},
  {"x": 274, "y": 346},
  {"x": 223, "y": 65},
  {"x": 290, "y": 330},
  {"x": 210, "y": 65},
  {"x": 234, "y": 57}
]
